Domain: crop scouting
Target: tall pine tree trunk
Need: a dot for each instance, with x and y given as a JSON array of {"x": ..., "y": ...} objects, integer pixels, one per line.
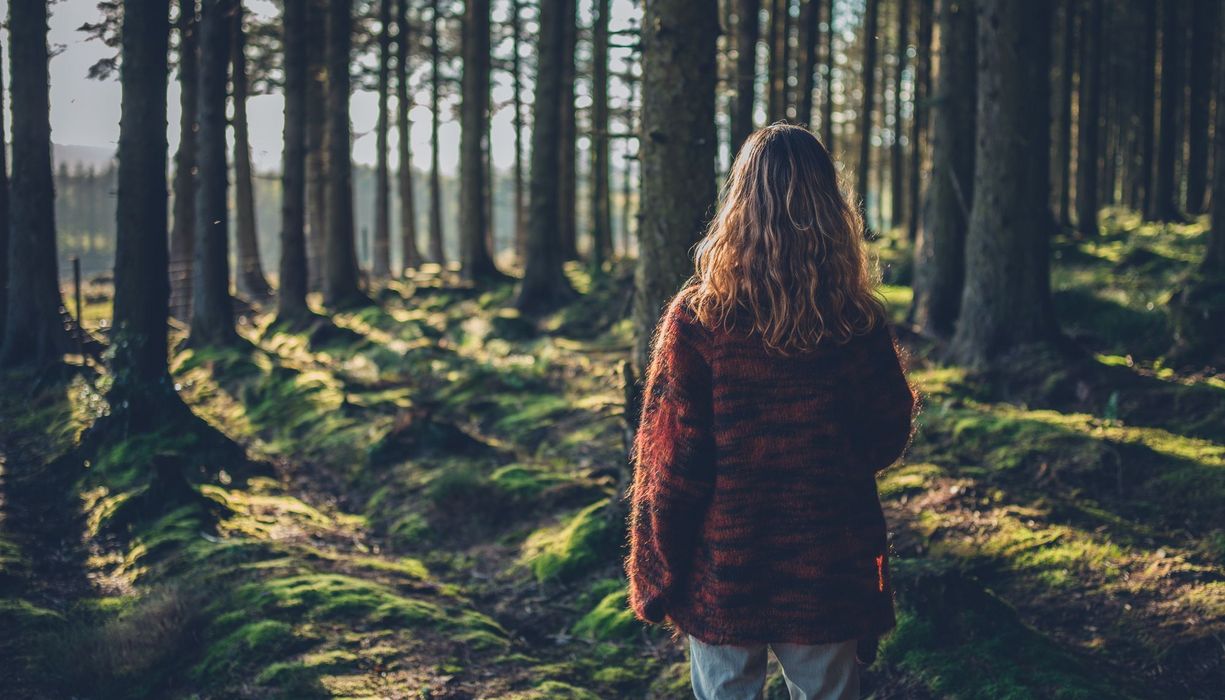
[
  {"x": 896, "y": 180},
  {"x": 1164, "y": 203},
  {"x": 1007, "y": 299},
  {"x": 212, "y": 316},
  {"x": 1063, "y": 143},
  {"x": 864, "y": 166},
  {"x": 919, "y": 139},
  {"x": 810, "y": 29},
  {"x": 567, "y": 222},
  {"x": 939, "y": 270},
  {"x": 340, "y": 276},
  {"x": 33, "y": 332},
  {"x": 4, "y": 209},
  {"x": 291, "y": 297},
  {"x": 410, "y": 254},
  {"x": 544, "y": 281},
  {"x": 679, "y": 72},
  {"x": 251, "y": 280},
  {"x": 601, "y": 217},
  {"x": 476, "y": 262},
  {"x": 1214, "y": 255},
  {"x": 142, "y": 287},
  {"x": 182, "y": 236},
  {"x": 380, "y": 266},
  {"x": 748, "y": 29},
  {"x": 437, "y": 251},
  {"x": 827, "y": 105},
  {"x": 516, "y": 21},
  {"x": 1203, "y": 33},
  {"x": 1089, "y": 113},
  {"x": 316, "y": 143}
]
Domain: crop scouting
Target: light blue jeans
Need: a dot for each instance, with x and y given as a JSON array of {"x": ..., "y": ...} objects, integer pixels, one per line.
[{"x": 812, "y": 671}]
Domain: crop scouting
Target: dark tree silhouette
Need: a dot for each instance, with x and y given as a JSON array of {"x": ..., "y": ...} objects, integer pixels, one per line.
[
  {"x": 182, "y": 236},
  {"x": 940, "y": 243},
  {"x": 1203, "y": 35},
  {"x": 544, "y": 281},
  {"x": 250, "y": 273},
  {"x": 1007, "y": 302},
  {"x": 212, "y": 316},
  {"x": 475, "y": 259},
  {"x": 601, "y": 216},
  {"x": 748, "y": 29},
  {"x": 827, "y": 105},
  {"x": 4, "y": 210},
  {"x": 340, "y": 277},
  {"x": 34, "y": 331},
  {"x": 864, "y": 166},
  {"x": 410, "y": 254},
  {"x": 810, "y": 28},
  {"x": 437, "y": 251},
  {"x": 291, "y": 297},
  {"x": 918, "y": 136},
  {"x": 897, "y": 182},
  {"x": 516, "y": 25},
  {"x": 567, "y": 177},
  {"x": 316, "y": 142},
  {"x": 380, "y": 265},
  {"x": 678, "y": 152},
  {"x": 1063, "y": 143},
  {"x": 1088, "y": 134},
  {"x": 1163, "y": 206}
]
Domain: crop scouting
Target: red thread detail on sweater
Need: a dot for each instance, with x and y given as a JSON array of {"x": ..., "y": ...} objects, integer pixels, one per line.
[{"x": 880, "y": 572}]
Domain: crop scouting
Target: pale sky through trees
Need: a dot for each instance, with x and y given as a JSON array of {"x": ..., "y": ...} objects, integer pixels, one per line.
[{"x": 85, "y": 112}]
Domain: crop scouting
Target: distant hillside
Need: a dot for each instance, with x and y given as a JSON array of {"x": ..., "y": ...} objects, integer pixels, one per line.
[{"x": 84, "y": 156}]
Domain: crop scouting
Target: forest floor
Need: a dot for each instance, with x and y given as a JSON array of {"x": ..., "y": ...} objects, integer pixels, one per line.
[{"x": 439, "y": 517}]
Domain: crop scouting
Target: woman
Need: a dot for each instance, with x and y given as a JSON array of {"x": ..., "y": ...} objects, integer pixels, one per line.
[{"x": 773, "y": 397}]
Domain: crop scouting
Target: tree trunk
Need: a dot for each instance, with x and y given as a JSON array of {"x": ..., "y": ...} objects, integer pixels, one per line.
[
  {"x": 1164, "y": 204},
  {"x": 516, "y": 22},
  {"x": 182, "y": 236},
  {"x": 437, "y": 251},
  {"x": 939, "y": 269},
  {"x": 142, "y": 285},
  {"x": 567, "y": 222},
  {"x": 1063, "y": 145},
  {"x": 250, "y": 278},
  {"x": 316, "y": 143},
  {"x": 810, "y": 28},
  {"x": 1007, "y": 300},
  {"x": 1203, "y": 32},
  {"x": 212, "y": 316},
  {"x": 827, "y": 116},
  {"x": 544, "y": 282},
  {"x": 475, "y": 259},
  {"x": 409, "y": 252},
  {"x": 4, "y": 209},
  {"x": 864, "y": 166},
  {"x": 897, "y": 208},
  {"x": 380, "y": 265},
  {"x": 1148, "y": 96},
  {"x": 1214, "y": 255},
  {"x": 291, "y": 297},
  {"x": 601, "y": 217},
  {"x": 340, "y": 277},
  {"x": 1089, "y": 113},
  {"x": 679, "y": 72},
  {"x": 922, "y": 98},
  {"x": 748, "y": 29}
]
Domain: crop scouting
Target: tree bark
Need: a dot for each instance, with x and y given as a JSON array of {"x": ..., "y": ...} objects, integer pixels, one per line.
[
  {"x": 1063, "y": 144},
  {"x": 475, "y": 260},
  {"x": 437, "y": 251},
  {"x": 340, "y": 277},
  {"x": 567, "y": 222},
  {"x": 864, "y": 166},
  {"x": 250, "y": 278},
  {"x": 4, "y": 210},
  {"x": 1007, "y": 302},
  {"x": 380, "y": 264},
  {"x": 182, "y": 236},
  {"x": 679, "y": 72},
  {"x": 1214, "y": 255},
  {"x": 1203, "y": 35},
  {"x": 316, "y": 143},
  {"x": 544, "y": 281},
  {"x": 748, "y": 30},
  {"x": 410, "y": 254},
  {"x": 897, "y": 208},
  {"x": 516, "y": 23},
  {"x": 212, "y": 316},
  {"x": 922, "y": 96},
  {"x": 827, "y": 115},
  {"x": 601, "y": 216},
  {"x": 142, "y": 286},
  {"x": 939, "y": 267},
  {"x": 810, "y": 28},
  {"x": 1089, "y": 113},
  {"x": 1164, "y": 203},
  {"x": 291, "y": 297}
]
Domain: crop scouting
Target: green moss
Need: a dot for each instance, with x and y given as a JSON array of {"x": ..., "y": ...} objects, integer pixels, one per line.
[
  {"x": 907, "y": 479},
  {"x": 572, "y": 547},
  {"x": 611, "y": 618},
  {"x": 248, "y": 646},
  {"x": 339, "y": 597},
  {"x": 524, "y": 481},
  {"x": 557, "y": 690},
  {"x": 301, "y": 679}
]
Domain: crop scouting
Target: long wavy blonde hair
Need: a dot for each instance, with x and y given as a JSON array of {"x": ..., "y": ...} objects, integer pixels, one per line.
[{"x": 784, "y": 257}]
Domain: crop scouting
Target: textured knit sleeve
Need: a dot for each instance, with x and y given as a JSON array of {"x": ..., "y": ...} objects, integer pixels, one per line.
[
  {"x": 673, "y": 467},
  {"x": 882, "y": 403}
]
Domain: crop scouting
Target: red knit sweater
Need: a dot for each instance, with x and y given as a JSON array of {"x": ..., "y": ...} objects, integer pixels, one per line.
[{"x": 754, "y": 512}]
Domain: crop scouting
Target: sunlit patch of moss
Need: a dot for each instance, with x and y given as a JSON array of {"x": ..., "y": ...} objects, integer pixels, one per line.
[
  {"x": 610, "y": 619},
  {"x": 254, "y": 643},
  {"x": 907, "y": 479},
  {"x": 897, "y": 300},
  {"x": 554, "y": 690},
  {"x": 525, "y": 481},
  {"x": 565, "y": 550},
  {"x": 672, "y": 682},
  {"x": 301, "y": 678}
]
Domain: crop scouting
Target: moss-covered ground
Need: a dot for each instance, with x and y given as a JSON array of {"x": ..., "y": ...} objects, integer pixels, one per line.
[{"x": 441, "y": 518}]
